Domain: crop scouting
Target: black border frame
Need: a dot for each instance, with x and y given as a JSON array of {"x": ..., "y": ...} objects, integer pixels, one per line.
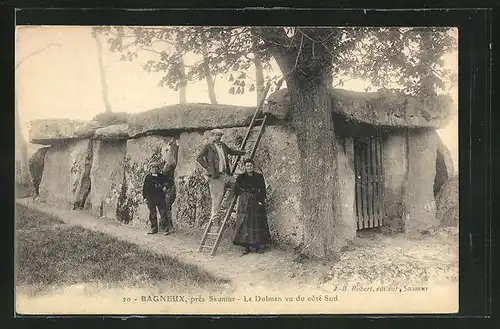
[{"x": 475, "y": 33}]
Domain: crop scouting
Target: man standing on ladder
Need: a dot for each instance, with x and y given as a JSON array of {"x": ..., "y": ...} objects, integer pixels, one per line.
[{"x": 214, "y": 158}]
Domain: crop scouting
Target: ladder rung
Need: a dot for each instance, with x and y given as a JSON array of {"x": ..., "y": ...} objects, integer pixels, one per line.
[
  {"x": 210, "y": 233},
  {"x": 206, "y": 246}
]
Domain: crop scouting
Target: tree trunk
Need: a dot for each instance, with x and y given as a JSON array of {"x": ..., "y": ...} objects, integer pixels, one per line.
[
  {"x": 210, "y": 82},
  {"x": 183, "y": 82},
  {"x": 312, "y": 119},
  {"x": 208, "y": 76},
  {"x": 325, "y": 233},
  {"x": 23, "y": 177},
  {"x": 104, "y": 84},
  {"x": 259, "y": 77}
]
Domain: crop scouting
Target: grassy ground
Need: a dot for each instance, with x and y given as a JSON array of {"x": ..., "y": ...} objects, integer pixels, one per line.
[
  {"x": 72, "y": 259},
  {"x": 51, "y": 254}
]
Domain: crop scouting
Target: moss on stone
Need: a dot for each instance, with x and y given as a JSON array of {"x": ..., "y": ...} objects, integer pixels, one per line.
[{"x": 193, "y": 203}]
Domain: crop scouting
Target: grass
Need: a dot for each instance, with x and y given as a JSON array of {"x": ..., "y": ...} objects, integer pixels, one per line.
[{"x": 49, "y": 253}]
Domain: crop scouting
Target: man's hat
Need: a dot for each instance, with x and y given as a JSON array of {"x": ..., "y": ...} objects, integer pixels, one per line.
[
  {"x": 217, "y": 132},
  {"x": 156, "y": 165}
]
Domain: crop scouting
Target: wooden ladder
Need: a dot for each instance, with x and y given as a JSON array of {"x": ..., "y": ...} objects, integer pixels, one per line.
[{"x": 211, "y": 240}]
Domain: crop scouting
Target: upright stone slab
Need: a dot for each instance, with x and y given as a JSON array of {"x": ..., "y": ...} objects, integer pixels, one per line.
[
  {"x": 394, "y": 161},
  {"x": 65, "y": 178},
  {"x": 106, "y": 176},
  {"x": 447, "y": 203},
  {"x": 192, "y": 205},
  {"x": 346, "y": 225},
  {"x": 418, "y": 198},
  {"x": 36, "y": 165},
  {"x": 444, "y": 166},
  {"x": 141, "y": 153},
  {"x": 276, "y": 157}
]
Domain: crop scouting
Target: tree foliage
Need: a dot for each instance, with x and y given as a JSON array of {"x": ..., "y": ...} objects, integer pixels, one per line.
[
  {"x": 219, "y": 51},
  {"x": 401, "y": 58}
]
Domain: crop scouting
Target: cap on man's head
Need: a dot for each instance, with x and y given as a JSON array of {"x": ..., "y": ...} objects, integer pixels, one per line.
[
  {"x": 157, "y": 166},
  {"x": 217, "y": 132}
]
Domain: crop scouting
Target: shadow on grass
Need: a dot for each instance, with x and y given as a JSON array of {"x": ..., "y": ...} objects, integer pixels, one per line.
[{"x": 48, "y": 254}]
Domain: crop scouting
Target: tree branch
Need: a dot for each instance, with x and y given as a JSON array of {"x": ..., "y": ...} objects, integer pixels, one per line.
[
  {"x": 276, "y": 36},
  {"x": 35, "y": 53},
  {"x": 298, "y": 53},
  {"x": 149, "y": 50}
]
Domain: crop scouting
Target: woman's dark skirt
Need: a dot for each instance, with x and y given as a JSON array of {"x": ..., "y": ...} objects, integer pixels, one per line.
[{"x": 251, "y": 223}]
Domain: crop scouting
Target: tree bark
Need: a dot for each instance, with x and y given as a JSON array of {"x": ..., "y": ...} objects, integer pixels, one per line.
[
  {"x": 259, "y": 77},
  {"x": 104, "y": 85},
  {"x": 324, "y": 233},
  {"x": 183, "y": 82},
  {"x": 312, "y": 119}
]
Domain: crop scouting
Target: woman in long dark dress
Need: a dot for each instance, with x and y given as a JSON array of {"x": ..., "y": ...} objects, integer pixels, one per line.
[{"x": 252, "y": 230}]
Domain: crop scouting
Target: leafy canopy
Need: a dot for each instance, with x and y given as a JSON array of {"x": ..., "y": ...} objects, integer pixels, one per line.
[{"x": 408, "y": 59}]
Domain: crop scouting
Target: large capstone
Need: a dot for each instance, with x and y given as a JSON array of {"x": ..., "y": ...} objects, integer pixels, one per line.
[
  {"x": 112, "y": 132},
  {"x": 87, "y": 129},
  {"x": 49, "y": 131},
  {"x": 390, "y": 109},
  {"x": 184, "y": 117},
  {"x": 278, "y": 104}
]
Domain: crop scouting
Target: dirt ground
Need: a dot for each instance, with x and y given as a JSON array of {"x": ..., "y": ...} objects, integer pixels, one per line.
[{"x": 393, "y": 263}]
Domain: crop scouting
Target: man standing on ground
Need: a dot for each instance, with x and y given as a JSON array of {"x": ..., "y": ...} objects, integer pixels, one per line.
[
  {"x": 153, "y": 191},
  {"x": 214, "y": 158}
]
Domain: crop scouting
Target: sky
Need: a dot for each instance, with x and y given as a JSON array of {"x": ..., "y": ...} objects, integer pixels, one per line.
[{"x": 63, "y": 80}]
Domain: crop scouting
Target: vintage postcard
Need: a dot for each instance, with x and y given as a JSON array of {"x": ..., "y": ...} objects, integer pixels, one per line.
[{"x": 236, "y": 170}]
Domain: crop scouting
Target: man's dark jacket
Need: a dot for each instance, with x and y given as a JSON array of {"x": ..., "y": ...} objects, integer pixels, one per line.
[
  {"x": 153, "y": 186},
  {"x": 208, "y": 158}
]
